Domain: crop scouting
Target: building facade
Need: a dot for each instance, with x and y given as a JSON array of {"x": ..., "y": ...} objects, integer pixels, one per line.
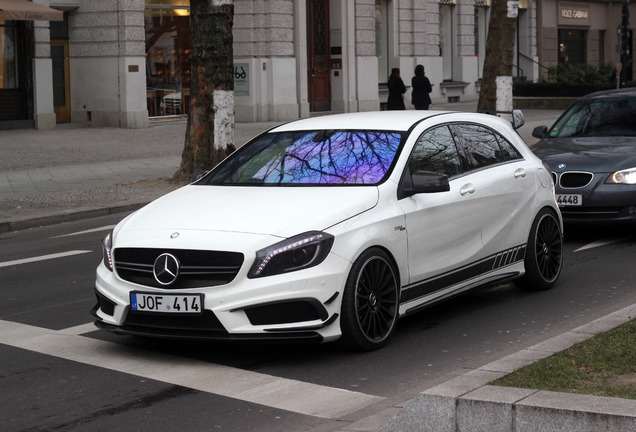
[
  {"x": 582, "y": 32},
  {"x": 118, "y": 63}
]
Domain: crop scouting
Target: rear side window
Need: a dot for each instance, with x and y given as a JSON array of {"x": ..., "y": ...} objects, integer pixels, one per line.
[
  {"x": 482, "y": 146},
  {"x": 508, "y": 151}
]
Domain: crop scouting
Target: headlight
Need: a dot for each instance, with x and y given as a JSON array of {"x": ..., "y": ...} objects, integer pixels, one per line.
[
  {"x": 107, "y": 251},
  {"x": 627, "y": 176},
  {"x": 295, "y": 253}
]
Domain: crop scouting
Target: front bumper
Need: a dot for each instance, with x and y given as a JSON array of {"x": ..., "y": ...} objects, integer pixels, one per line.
[
  {"x": 300, "y": 306},
  {"x": 602, "y": 203}
]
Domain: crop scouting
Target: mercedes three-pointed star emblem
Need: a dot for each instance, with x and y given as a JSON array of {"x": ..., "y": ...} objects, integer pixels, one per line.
[{"x": 166, "y": 269}]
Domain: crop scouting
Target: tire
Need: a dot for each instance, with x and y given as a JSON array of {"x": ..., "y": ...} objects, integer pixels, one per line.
[
  {"x": 370, "y": 302},
  {"x": 544, "y": 253}
]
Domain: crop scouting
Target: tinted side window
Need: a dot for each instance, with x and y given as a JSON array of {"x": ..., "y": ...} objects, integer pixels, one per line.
[
  {"x": 482, "y": 146},
  {"x": 508, "y": 151},
  {"x": 479, "y": 145},
  {"x": 435, "y": 151}
]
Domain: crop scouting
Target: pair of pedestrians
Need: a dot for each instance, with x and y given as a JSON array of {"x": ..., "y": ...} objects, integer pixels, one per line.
[{"x": 421, "y": 89}]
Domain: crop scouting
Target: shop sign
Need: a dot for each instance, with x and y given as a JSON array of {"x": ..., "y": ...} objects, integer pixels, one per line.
[
  {"x": 574, "y": 14},
  {"x": 241, "y": 79}
]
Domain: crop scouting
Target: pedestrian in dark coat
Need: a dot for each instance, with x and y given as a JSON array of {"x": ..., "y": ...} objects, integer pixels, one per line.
[
  {"x": 396, "y": 91},
  {"x": 421, "y": 89}
]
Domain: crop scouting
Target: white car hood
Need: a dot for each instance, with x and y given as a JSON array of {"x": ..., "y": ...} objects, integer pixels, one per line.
[{"x": 277, "y": 211}]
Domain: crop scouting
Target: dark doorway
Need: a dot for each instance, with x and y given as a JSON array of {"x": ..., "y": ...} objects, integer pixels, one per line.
[
  {"x": 318, "y": 52},
  {"x": 15, "y": 92},
  {"x": 61, "y": 75},
  {"x": 61, "y": 90}
]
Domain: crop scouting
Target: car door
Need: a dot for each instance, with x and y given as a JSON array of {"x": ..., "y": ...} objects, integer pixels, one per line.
[
  {"x": 502, "y": 184},
  {"x": 451, "y": 233},
  {"x": 442, "y": 231}
]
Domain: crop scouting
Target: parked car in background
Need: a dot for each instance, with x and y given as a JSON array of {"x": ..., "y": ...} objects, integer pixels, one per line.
[
  {"x": 591, "y": 151},
  {"x": 334, "y": 227}
]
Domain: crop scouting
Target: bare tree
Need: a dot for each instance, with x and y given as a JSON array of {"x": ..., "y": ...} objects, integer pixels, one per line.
[
  {"x": 500, "y": 46},
  {"x": 210, "y": 128}
]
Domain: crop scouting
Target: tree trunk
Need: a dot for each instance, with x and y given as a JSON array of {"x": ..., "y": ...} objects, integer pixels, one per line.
[
  {"x": 210, "y": 129},
  {"x": 500, "y": 46}
]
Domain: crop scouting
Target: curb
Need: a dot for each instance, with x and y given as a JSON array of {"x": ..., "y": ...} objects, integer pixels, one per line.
[
  {"x": 469, "y": 403},
  {"x": 21, "y": 223}
]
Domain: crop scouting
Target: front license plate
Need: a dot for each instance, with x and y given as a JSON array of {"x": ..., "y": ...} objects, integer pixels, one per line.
[
  {"x": 167, "y": 303},
  {"x": 569, "y": 200}
]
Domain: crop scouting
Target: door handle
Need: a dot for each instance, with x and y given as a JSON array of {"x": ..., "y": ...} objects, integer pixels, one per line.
[
  {"x": 520, "y": 173},
  {"x": 467, "y": 189}
]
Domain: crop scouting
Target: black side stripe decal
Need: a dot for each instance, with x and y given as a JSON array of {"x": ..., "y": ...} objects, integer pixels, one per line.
[{"x": 468, "y": 272}]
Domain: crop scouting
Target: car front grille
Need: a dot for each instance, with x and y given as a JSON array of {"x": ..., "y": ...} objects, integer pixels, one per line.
[
  {"x": 197, "y": 268},
  {"x": 575, "y": 179}
]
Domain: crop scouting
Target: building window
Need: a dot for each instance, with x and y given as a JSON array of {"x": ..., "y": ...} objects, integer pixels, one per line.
[
  {"x": 572, "y": 46},
  {"x": 601, "y": 46},
  {"x": 481, "y": 28},
  {"x": 167, "y": 25},
  {"x": 446, "y": 40},
  {"x": 9, "y": 53},
  {"x": 382, "y": 39}
]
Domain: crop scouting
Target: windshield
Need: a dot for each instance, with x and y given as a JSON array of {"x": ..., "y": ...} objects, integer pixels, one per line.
[
  {"x": 598, "y": 117},
  {"x": 309, "y": 158}
]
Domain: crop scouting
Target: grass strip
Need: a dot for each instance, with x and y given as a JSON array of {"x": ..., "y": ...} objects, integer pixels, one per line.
[{"x": 604, "y": 365}]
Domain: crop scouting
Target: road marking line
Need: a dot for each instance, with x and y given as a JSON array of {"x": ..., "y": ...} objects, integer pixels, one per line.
[
  {"x": 281, "y": 393},
  {"x": 598, "y": 243},
  {"x": 43, "y": 258},
  {"x": 80, "y": 329},
  {"x": 104, "y": 228}
]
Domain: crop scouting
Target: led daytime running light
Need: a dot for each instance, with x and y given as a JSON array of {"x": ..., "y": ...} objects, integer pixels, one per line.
[
  {"x": 107, "y": 246},
  {"x": 295, "y": 253},
  {"x": 286, "y": 248}
]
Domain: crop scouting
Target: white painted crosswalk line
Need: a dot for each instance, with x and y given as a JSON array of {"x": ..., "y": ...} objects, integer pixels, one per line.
[
  {"x": 291, "y": 395},
  {"x": 102, "y": 228},
  {"x": 598, "y": 243},
  {"x": 43, "y": 258}
]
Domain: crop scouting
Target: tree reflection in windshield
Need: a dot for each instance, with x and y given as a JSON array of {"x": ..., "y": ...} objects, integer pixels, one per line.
[{"x": 324, "y": 157}]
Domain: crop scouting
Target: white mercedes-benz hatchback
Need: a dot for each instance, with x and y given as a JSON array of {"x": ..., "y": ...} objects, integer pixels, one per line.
[{"x": 334, "y": 227}]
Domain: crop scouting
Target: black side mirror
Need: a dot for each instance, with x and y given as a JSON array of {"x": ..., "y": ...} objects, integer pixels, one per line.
[
  {"x": 540, "y": 132},
  {"x": 427, "y": 182}
]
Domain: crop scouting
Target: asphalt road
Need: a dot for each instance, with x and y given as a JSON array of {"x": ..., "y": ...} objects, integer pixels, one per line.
[{"x": 60, "y": 373}]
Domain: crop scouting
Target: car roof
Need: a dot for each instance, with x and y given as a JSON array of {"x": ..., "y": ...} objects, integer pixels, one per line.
[
  {"x": 624, "y": 92},
  {"x": 370, "y": 120}
]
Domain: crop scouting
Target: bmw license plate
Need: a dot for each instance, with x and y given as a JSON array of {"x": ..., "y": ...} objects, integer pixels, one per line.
[
  {"x": 167, "y": 303},
  {"x": 569, "y": 200}
]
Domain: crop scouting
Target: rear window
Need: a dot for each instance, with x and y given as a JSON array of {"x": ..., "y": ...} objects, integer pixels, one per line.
[
  {"x": 310, "y": 158},
  {"x": 598, "y": 117}
]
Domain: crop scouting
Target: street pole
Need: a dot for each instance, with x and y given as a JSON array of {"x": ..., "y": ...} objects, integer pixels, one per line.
[{"x": 624, "y": 46}]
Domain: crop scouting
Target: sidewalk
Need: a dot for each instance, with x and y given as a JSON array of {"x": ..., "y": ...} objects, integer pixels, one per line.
[
  {"x": 77, "y": 172},
  {"x": 74, "y": 171}
]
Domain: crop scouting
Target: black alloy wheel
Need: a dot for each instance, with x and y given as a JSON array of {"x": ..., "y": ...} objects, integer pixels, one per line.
[
  {"x": 370, "y": 301},
  {"x": 544, "y": 253}
]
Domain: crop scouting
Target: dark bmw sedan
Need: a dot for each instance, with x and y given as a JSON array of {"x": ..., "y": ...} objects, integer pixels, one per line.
[{"x": 591, "y": 151}]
